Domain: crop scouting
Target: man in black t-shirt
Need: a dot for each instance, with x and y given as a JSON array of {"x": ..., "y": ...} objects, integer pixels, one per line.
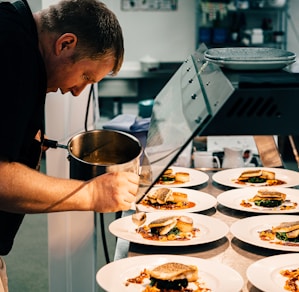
[{"x": 65, "y": 47}]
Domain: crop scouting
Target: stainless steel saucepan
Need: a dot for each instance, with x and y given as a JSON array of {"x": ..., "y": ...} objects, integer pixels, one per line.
[{"x": 95, "y": 152}]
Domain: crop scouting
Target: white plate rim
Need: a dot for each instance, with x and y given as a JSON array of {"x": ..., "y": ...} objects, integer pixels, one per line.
[
  {"x": 197, "y": 177},
  {"x": 222, "y": 54},
  {"x": 246, "y": 65},
  {"x": 264, "y": 62},
  {"x": 224, "y": 177},
  {"x": 212, "y": 229},
  {"x": 203, "y": 201},
  {"x": 232, "y": 198},
  {"x": 243, "y": 229},
  {"x": 230, "y": 280},
  {"x": 262, "y": 272}
]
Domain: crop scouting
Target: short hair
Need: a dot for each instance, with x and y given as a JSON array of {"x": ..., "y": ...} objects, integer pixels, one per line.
[{"x": 97, "y": 28}]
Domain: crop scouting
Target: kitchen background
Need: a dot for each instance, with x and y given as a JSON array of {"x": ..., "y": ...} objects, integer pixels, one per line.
[
  {"x": 172, "y": 35},
  {"x": 166, "y": 35}
]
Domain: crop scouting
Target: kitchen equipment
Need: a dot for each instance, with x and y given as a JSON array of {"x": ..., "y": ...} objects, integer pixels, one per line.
[
  {"x": 206, "y": 100},
  {"x": 276, "y": 3},
  {"x": 149, "y": 63},
  {"x": 145, "y": 108},
  {"x": 242, "y": 4},
  {"x": 205, "y": 159},
  {"x": 249, "y": 54},
  {"x": 95, "y": 152},
  {"x": 252, "y": 65},
  {"x": 257, "y": 3},
  {"x": 268, "y": 151},
  {"x": 233, "y": 157},
  {"x": 250, "y": 58}
]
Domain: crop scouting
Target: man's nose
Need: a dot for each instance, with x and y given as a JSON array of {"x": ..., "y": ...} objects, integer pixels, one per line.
[{"x": 78, "y": 89}]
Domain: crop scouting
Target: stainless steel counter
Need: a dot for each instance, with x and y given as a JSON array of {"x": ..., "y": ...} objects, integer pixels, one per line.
[{"x": 228, "y": 250}]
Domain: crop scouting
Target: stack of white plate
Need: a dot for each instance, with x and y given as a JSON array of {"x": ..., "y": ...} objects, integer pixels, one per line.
[{"x": 252, "y": 58}]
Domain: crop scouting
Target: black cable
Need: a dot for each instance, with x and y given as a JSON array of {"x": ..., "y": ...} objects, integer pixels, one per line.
[
  {"x": 104, "y": 241},
  {"x": 102, "y": 222},
  {"x": 91, "y": 93}
]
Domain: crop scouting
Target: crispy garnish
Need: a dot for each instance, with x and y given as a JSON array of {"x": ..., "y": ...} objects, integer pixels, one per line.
[{"x": 292, "y": 282}]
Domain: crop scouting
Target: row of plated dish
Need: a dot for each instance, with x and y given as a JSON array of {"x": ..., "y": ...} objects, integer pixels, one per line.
[{"x": 229, "y": 232}]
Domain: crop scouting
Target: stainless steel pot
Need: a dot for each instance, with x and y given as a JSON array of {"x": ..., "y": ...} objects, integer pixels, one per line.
[{"x": 96, "y": 152}]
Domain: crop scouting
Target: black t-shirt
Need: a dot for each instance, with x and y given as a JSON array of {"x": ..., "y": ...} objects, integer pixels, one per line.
[{"x": 22, "y": 99}]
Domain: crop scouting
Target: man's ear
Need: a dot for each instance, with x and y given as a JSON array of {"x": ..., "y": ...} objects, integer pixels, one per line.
[{"x": 66, "y": 41}]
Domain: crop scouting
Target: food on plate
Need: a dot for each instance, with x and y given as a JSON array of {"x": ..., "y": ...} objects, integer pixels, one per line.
[
  {"x": 184, "y": 224},
  {"x": 173, "y": 276},
  {"x": 169, "y": 228},
  {"x": 170, "y": 277},
  {"x": 182, "y": 177},
  {"x": 286, "y": 233},
  {"x": 160, "y": 196},
  {"x": 292, "y": 283},
  {"x": 166, "y": 199},
  {"x": 171, "y": 177},
  {"x": 266, "y": 198},
  {"x": 258, "y": 176},
  {"x": 162, "y": 226}
]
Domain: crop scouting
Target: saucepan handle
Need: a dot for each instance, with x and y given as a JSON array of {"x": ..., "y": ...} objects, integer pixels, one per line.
[{"x": 53, "y": 144}]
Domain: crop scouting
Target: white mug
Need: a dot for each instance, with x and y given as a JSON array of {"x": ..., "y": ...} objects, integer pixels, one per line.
[
  {"x": 233, "y": 158},
  {"x": 205, "y": 159}
]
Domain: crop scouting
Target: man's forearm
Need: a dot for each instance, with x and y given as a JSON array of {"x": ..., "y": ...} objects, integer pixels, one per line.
[{"x": 24, "y": 190}]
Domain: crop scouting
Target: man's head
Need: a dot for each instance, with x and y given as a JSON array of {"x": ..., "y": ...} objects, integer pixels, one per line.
[{"x": 79, "y": 37}]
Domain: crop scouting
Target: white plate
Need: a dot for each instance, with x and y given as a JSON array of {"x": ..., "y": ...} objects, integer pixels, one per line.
[
  {"x": 225, "y": 177},
  {"x": 265, "y": 274},
  {"x": 249, "y": 54},
  {"x": 252, "y": 65},
  {"x": 203, "y": 201},
  {"x": 211, "y": 229},
  {"x": 247, "y": 230},
  {"x": 216, "y": 276},
  {"x": 197, "y": 177},
  {"x": 233, "y": 198}
]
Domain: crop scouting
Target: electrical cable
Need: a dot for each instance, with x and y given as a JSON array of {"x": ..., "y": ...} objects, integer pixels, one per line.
[
  {"x": 104, "y": 240},
  {"x": 91, "y": 93},
  {"x": 101, "y": 217}
]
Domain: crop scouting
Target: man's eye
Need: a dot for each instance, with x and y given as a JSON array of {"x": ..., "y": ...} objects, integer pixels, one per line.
[{"x": 85, "y": 77}]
